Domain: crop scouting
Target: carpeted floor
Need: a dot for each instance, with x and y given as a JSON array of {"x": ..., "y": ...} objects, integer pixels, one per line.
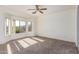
[{"x": 38, "y": 45}]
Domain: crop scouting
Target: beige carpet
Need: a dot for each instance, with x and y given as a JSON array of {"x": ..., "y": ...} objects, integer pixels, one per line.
[{"x": 38, "y": 45}]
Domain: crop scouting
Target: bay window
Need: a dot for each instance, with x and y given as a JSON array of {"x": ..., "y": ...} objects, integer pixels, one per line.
[{"x": 17, "y": 26}]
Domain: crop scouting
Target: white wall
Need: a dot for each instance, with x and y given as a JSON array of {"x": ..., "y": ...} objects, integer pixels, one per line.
[
  {"x": 2, "y": 29},
  {"x": 59, "y": 25},
  {"x": 78, "y": 27}
]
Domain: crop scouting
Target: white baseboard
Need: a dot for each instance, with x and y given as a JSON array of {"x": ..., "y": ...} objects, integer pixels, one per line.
[{"x": 55, "y": 37}]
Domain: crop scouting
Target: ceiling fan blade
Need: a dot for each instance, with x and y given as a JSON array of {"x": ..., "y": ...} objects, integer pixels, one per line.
[
  {"x": 37, "y": 7},
  {"x": 34, "y": 12},
  {"x": 43, "y": 9},
  {"x": 30, "y": 9},
  {"x": 40, "y": 11}
]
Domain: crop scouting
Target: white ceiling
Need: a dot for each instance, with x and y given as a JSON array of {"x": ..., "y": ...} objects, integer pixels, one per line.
[{"x": 22, "y": 9}]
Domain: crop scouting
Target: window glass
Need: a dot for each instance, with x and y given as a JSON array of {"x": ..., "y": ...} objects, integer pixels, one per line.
[
  {"x": 17, "y": 26},
  {"x": 7, "y": 26},
  {"x": 29, "y": 26},
  {"x": 22, "y": 26}
]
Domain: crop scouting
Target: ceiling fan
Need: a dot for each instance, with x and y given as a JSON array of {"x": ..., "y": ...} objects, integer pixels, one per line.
[{"x": 38, "y": 9}]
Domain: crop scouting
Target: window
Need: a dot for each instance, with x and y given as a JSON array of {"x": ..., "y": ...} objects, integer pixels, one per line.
[
  {"x": 17, "y": 26},
  {"x": 13, "y": 27},
  {"x": 29, "y": 26},
  {"x": 20, "y": 26},
  {"x": 7, "y": 26}
]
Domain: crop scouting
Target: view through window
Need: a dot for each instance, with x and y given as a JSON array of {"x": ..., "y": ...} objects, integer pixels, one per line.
[
  {"x": 18, "y": 26},
  {"x": 29, "y": 26}
]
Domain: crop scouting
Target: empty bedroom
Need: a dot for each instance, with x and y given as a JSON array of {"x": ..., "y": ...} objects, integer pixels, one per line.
[{"x": 38, "y": 29}]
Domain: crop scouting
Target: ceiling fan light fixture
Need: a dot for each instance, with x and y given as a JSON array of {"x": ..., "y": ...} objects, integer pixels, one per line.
[{"x": 38, "y": 9}]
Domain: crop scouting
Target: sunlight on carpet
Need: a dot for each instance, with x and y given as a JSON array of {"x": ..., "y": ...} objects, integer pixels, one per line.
[
  {"x": 30, "y": 41},
  {"x": 16, "y": 46},
  {"x": 38, "y": 39},
  {"x": 9, "y": 49},
  {"x": 23, "y": 44}
]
